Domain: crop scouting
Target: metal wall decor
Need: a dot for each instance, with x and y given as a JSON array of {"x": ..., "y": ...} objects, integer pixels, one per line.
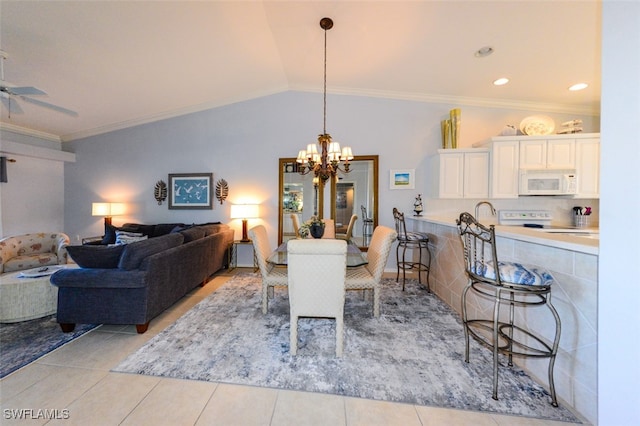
[
  {"x": 160, "y": 192},
  {"x": 222, "y": 190}
]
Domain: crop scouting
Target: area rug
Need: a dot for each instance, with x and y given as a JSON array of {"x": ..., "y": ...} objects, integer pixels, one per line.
[
  {"x": 24, "y": 342},
  {"x": 412, "y": 353}
]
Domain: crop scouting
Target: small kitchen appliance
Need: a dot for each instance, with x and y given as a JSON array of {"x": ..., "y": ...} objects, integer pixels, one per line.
[{"x": 548, "y": 182}]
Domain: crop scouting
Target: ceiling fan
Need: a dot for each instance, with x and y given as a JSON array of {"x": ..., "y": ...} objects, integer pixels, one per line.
[{"x": 8, "y": 92}]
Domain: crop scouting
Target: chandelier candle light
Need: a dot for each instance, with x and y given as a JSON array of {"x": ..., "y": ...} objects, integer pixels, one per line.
[{"x": 326, "y": 163}]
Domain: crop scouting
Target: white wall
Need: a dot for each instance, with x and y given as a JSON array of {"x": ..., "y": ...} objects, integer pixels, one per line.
[
  {"x": 619, "y": 292},
  {"x": 242, "y": 143},
  {"x": 33, "y": 198}
]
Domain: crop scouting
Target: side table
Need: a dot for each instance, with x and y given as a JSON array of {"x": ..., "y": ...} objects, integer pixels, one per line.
[{"x": 233, "y": 254}]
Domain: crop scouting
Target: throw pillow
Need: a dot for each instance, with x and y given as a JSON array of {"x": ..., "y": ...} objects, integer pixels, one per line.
[
  {"x": 135, "y": 253},
  {"x": 125, "y": 237},
  {"x": 88, "y": 256},
  {"x": 192, "y": 234},
  {"x": 109, "y": 234}
]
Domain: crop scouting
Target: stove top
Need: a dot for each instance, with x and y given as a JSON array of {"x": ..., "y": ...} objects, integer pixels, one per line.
[
  {"x": 522, "y": 217},
  {"x": 539, "y": 220}
]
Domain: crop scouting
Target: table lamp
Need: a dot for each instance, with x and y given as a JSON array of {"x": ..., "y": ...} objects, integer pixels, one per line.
[
  {"x": 107, "y": 210},
  {"x": 244, "y": 212}
]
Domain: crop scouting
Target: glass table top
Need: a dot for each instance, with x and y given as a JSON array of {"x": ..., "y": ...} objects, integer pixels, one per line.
[{"x": 355, "y": 257}]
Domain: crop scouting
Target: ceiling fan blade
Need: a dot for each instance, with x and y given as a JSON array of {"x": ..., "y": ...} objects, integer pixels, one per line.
[
  {"x": 12, "y": 106},
  {"x": 26, "y": 90},
  {"x": 50, "y": 106}
]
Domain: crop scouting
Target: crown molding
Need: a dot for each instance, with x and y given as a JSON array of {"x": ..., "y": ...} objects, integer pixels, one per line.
[
  {"x": 29, "y": 132},
  {"x": 462, "y": 100},
  {"x": 407, "y": 96}
]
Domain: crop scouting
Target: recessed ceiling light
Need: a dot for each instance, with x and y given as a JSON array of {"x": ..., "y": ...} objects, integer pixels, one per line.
[
  {"x": 578, "y": 86},
  {"x": 501, "y": 81},
  {"x": 483, "y": 51}
]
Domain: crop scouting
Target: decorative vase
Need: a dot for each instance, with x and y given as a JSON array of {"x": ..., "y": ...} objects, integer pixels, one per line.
[
  {"x": 455, "y": 127},
  {"x": 445, "y": 127},
  {"x": 316, "y": 230}
]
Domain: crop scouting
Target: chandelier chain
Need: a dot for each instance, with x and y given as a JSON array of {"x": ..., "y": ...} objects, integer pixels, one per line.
[{"x": 324, "y": 99}]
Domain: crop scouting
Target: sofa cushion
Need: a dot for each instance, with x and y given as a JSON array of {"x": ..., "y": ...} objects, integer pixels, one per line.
[
  {"x": 135, "y": 253},
  {"x": 20, "y": 263},
  {"x": 89, "y": 256},
  {"x": 192, "y": 234},
  {"x": 213, "y": 228},
  {"x": 165, "y": 228}
]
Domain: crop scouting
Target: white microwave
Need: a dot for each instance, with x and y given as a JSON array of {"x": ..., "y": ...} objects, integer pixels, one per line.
[{"x": 548, "y": 182}]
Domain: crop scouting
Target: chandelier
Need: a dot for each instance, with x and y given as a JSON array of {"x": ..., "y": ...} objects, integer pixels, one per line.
[{"x": 324, "y": 164}]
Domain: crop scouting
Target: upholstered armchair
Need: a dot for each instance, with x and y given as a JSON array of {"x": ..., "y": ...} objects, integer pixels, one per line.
[{"x": 28, "y": 251}]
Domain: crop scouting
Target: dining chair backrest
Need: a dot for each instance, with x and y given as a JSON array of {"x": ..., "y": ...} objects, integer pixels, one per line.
[
  {"x": 401, "y": 227},
  {"x": 316, "y": 277},
  {"x": 296, "y": 224},
  {"x": 352, "y": 223},
  {"x": 261, "y": 247},
  {"x": 329, "y": 228},
  {"x": 378, "y": 252},
  {"x": 316, "y": 270},
  {"x": 364, "y": 212}
]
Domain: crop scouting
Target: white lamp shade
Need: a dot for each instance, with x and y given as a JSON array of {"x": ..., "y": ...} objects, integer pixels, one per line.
[
  {"x": 100, "y": 209},
  {"x": 107, "y": 209},
  {"x": 346, "y": 153},
  {"x": 244, "y": 211}
]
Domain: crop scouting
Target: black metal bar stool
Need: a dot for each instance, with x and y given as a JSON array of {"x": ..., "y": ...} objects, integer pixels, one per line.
[
  {"x": 367, "y": 226},
  {"x": 412, "y": 241},
  {"x": 505, "y": 284}
]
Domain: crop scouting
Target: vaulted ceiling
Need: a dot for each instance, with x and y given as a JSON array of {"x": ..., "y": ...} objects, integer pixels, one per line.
[{"x": 121, "y": 63}]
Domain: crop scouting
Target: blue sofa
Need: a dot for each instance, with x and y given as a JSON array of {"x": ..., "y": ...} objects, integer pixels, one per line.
[{"x": 134, "y": 283}]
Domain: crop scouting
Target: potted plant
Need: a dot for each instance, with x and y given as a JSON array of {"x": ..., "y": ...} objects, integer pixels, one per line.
[{"x": 314, "y": 227}]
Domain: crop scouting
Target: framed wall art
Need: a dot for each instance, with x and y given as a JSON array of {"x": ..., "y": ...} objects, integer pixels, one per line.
[
  {"x": 402, "y": 179},
  {"x": 190, "y": 191}
]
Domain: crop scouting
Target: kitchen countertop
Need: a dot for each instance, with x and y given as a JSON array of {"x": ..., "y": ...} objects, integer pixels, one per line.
[{"x": 578, "y": 243}]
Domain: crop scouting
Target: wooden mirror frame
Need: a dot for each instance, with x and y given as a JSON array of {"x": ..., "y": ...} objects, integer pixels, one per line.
[
  {"x": 281, "y": 164},
  {"x": 373, "y": 212}
]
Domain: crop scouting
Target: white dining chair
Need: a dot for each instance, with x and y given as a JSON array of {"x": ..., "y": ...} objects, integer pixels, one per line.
[
  {"x": 272, "y": 276},
  {"x": 369, "y": 277},
  {"x": 296, "y": 224},
  {"x": 316, "y": 272},
  {"x": 349, "y": 234},
  {"x": 329, "y": 228}
]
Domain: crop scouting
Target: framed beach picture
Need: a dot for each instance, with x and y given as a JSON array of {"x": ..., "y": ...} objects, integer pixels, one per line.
[
  {"x": 402, "y": 179},
  {"x": 190, "y": 191}
]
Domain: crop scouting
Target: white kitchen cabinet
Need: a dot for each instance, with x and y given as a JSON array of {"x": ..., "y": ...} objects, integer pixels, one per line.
[
  {"x": 504, "y": 169},
  {"x": 462, "y": 173},
  {"x": 588, "y": 167},
  {"x": 547, "y": 154},
  {"x": 509, "y": 154}
]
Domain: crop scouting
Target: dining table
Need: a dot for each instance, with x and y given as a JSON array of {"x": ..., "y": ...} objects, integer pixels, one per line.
[{"x": 355, "y": 257}]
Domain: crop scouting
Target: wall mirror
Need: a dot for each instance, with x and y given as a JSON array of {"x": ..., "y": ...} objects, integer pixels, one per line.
[
  {"x": 357, "y": 193},
  {"x": 298, "y": 196}
]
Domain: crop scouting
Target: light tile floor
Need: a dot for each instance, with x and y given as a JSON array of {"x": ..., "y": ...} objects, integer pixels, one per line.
[{"x": 76, "y": 387}]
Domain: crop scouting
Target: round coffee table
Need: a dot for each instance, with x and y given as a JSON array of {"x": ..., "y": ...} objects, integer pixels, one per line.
[{"x": 23, "y": 299}]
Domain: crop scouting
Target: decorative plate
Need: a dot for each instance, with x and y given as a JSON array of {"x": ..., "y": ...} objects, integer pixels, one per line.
[{"x": 537, "y": 125}]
